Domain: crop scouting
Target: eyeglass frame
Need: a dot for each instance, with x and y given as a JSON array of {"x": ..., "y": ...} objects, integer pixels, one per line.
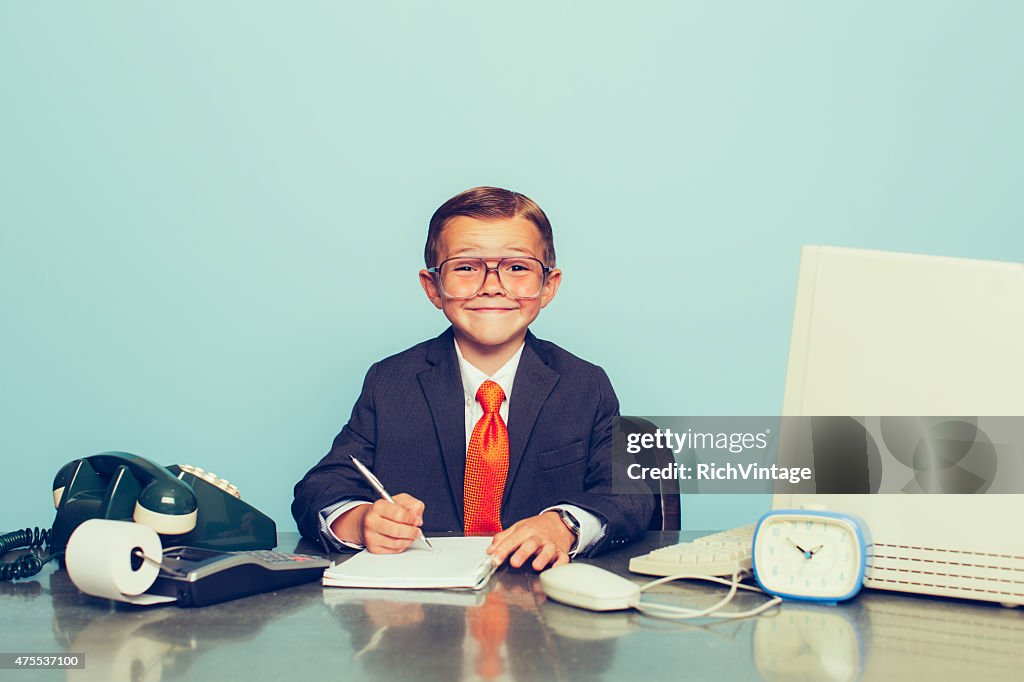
[{"x": 545, "y": 270}]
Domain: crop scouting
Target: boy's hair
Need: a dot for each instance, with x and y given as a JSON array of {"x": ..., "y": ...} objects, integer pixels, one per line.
[{"x": 488, "y": 203}]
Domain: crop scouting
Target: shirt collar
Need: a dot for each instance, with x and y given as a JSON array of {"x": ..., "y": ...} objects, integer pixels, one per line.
[{"x": 473, "y": 377}]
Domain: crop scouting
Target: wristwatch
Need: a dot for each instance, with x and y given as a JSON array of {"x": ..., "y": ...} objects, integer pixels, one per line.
[{"x": 573, "y": 525}]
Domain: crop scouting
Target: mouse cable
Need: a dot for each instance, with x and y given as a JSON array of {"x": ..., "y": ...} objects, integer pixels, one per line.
[{"x": 668, "y": 611}]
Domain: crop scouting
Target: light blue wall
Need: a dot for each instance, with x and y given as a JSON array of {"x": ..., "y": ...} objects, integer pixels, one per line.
[{"x": 212, "y": 214}]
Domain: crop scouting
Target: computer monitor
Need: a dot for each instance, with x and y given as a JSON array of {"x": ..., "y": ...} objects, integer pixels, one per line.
[{"x": 879, "y": 334}]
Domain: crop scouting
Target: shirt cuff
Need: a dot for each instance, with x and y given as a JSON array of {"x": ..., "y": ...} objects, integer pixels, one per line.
[
  {"x": 592, "y": 529},
  {"x": 330, "y": 514}
]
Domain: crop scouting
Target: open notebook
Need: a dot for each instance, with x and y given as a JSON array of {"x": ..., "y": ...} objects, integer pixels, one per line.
[{"x": 453, "y": 563}]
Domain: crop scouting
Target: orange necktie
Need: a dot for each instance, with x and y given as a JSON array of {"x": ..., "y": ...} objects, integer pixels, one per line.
[{"x": 486, "y": 465}]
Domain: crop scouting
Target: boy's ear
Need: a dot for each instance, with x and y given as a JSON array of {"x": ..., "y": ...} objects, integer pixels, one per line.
[
  {"x": 429, "y": 285},
  {"x": 551, "y": 285}
]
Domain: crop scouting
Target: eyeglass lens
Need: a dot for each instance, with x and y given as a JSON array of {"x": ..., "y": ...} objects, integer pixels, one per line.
[{"x": 464, "y": 277}]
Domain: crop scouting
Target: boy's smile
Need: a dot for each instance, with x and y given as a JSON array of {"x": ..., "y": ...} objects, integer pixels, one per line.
[{"x": 491, "y": 325}]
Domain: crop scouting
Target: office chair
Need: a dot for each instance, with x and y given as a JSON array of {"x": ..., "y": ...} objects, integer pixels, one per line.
[{"x": 667, "y": 507}]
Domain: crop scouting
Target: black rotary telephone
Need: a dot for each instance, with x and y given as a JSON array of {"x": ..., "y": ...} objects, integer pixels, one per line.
[{"x": 185, "y": 505}]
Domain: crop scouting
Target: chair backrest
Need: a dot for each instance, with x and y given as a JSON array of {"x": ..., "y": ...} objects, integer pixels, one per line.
[{"x": 667, "y": 508}]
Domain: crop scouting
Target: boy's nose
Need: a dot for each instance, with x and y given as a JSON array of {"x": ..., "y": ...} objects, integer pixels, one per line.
[{"x": 492, "y": 284}]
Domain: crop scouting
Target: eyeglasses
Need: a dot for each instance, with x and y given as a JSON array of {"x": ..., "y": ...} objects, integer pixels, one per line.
[{"x": 519, "y": 276}]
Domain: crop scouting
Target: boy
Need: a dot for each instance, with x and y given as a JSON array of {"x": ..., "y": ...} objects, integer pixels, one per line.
[{"x": 438, "y": 421}]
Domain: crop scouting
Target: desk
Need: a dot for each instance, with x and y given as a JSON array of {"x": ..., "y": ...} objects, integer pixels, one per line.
[{"x": 510, "y": 631}]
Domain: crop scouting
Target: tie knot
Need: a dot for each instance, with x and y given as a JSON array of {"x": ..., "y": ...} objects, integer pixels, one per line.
[{"x": 490, "y": 395}]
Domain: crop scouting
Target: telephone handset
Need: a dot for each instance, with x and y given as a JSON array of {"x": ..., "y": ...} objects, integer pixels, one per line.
[
  {"x": 185, "y": 505},
  {"x": 118, "y": 485}
]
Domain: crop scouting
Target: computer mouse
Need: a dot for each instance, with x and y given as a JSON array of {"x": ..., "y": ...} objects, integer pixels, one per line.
[{"x": 589, "y": 587}]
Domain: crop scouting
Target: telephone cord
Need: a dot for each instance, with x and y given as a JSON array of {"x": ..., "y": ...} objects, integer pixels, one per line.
[{"x": 29, "y": 564}]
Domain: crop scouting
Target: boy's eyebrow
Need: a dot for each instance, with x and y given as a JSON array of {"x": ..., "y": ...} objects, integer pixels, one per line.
[{"x": 518, "y": 249}]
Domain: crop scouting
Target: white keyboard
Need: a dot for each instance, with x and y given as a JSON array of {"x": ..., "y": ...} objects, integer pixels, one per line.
[{"x": 717, "y": 554}]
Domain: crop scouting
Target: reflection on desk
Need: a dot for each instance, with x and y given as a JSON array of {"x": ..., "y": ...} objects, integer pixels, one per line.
[
  {"x": 493, "y": 634},
  {"x": 933, "y": 639},
  {"x": 149, "y": 644},
  {"x": 510, "y": 631}
]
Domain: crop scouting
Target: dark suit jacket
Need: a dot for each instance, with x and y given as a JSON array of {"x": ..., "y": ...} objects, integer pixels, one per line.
[{"x": 408, "y": 426}]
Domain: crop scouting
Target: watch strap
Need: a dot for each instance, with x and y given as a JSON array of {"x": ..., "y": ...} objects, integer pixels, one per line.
[{"x": 573, "y": 524}]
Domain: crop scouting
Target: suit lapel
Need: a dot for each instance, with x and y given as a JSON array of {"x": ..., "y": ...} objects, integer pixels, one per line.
[
  {"x": 442, "y": 386},
  {"x": 534, "y": 383}
]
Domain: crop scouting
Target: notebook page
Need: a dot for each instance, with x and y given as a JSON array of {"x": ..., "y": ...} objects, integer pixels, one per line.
[{"x": 453, "y": 563}]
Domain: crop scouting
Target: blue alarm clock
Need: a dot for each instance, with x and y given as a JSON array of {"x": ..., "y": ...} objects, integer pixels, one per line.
[{"x": 810, "y": 554}]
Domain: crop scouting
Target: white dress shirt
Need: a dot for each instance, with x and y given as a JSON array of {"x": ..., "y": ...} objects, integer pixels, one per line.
[{"x": 591, "y": 528}]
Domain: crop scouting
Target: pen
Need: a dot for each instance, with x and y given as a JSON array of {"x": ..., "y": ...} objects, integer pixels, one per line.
[{"x": 376, "y": 484}]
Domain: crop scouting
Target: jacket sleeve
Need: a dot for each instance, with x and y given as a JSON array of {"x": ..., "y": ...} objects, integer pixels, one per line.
[
  {"x": 334, "y": 478},
  {"x": 628, "y": 510}
]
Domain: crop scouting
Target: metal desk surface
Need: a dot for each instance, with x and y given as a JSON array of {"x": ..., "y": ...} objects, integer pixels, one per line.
[{"x": 508, "y": 631}]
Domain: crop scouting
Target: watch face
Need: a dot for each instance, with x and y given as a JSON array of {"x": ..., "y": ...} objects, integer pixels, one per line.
[{"x": 808, "y": 555}]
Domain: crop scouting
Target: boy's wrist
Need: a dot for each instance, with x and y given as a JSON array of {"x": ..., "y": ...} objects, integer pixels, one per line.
[
  {"x": 349, "y": 526},
  {"x": 568, "y": 533}
]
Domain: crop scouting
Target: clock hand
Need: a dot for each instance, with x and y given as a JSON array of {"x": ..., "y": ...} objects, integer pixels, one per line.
[
  {"x": 802, "y": 550},
  {"x": 814, "y": 550}
]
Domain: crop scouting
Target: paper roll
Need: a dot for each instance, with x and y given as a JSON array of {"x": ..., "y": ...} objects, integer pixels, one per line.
[{"x": 100, "y": 561}]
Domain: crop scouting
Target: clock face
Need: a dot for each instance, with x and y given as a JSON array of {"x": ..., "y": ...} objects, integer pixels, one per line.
[{"x": 807, "y": 555}]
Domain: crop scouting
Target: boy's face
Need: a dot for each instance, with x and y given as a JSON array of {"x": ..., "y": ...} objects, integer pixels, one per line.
[{"x": 491, "y": 320}]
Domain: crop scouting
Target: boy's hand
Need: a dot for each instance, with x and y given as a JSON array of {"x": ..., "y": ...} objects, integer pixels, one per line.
[
  {"x": 383, "y": 527},
  {"x": 390, "y": 528},
  {"x": 543, "y": 537}
]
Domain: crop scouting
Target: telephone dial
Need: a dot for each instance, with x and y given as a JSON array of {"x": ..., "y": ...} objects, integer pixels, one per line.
[{"x": 185, "y": 505}]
